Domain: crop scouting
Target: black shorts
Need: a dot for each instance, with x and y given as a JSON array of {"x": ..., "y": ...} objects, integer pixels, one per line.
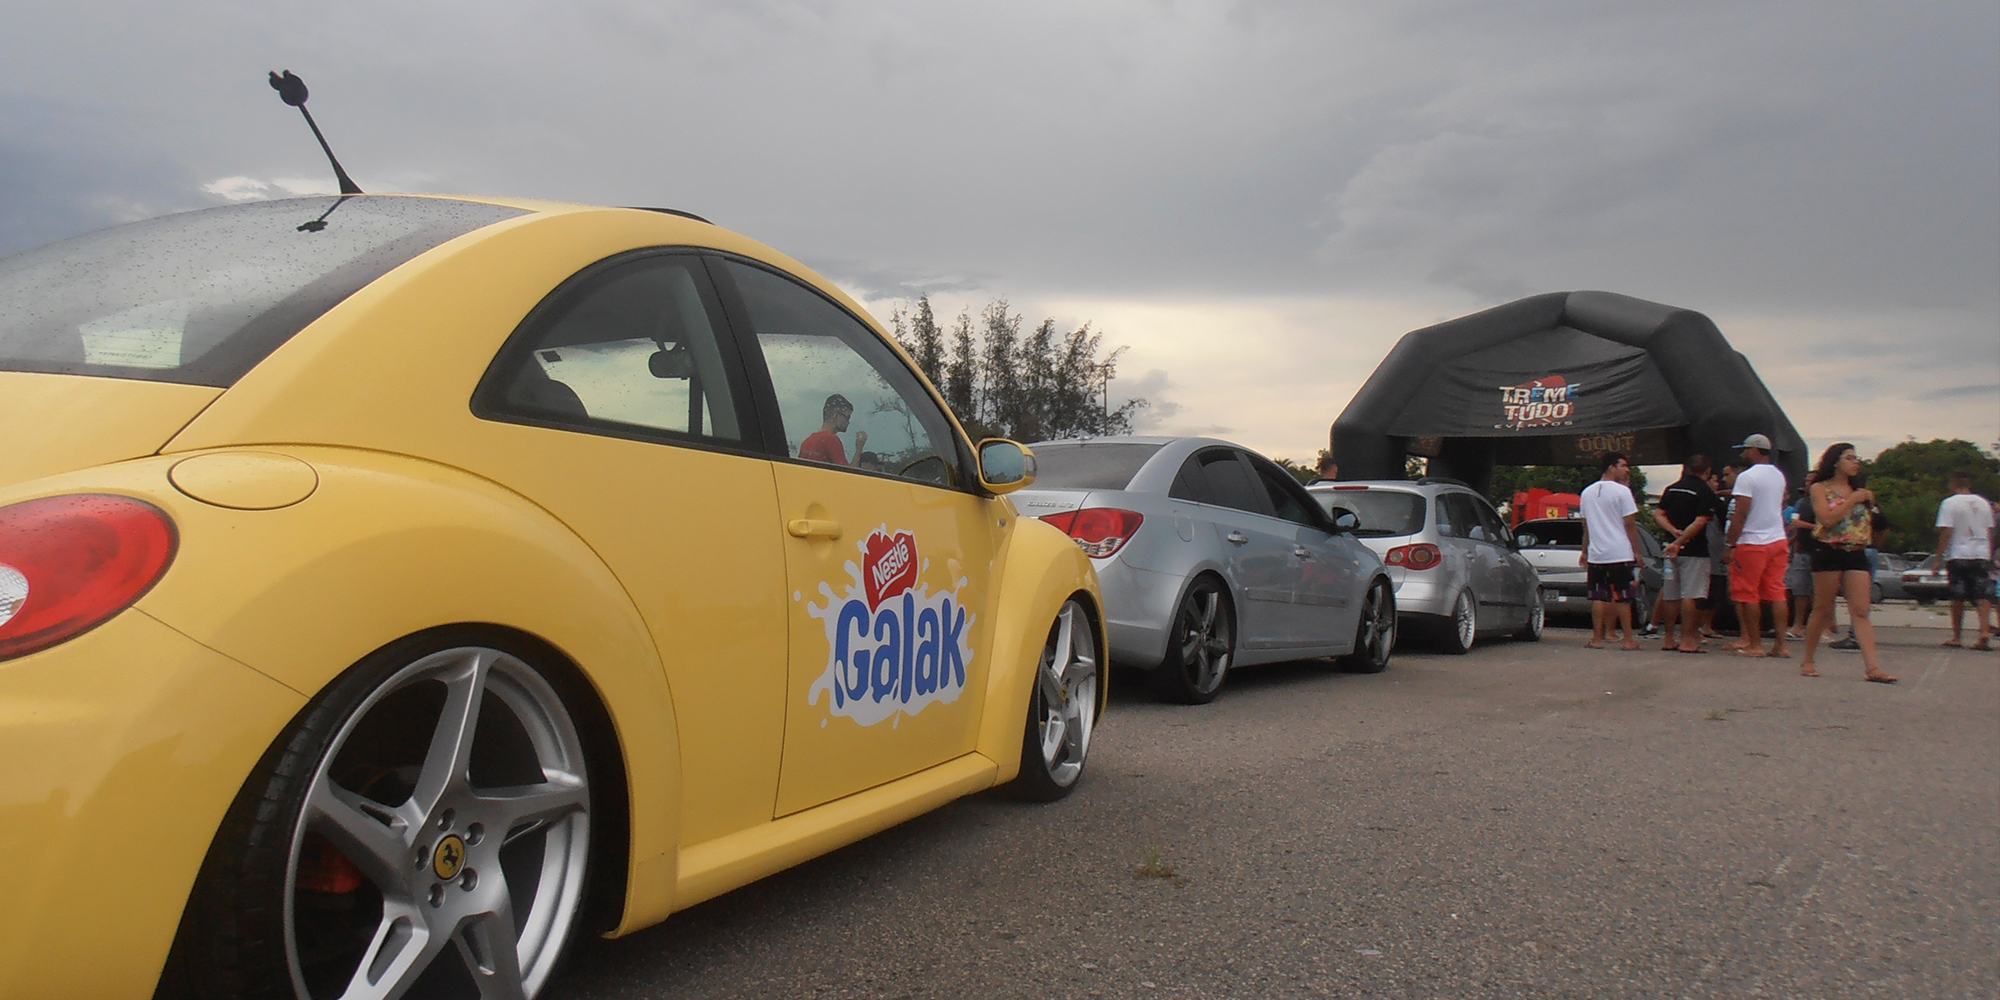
[
  {"x": 1827, "y": 559},
  {"x": 1610, "y": 581},
  {"x": 1969, "y": 579}
]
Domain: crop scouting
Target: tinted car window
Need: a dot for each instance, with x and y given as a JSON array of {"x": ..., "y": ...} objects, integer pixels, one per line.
[
  {"x": 627, "y": 347},
  {"x": 1230, "y": 483},
  {"x": 202, "y": 297},
  {"x": 843, "y": 396},
  {"x": 1190, "y": 483},
  {"x": 1496, "y": 529},
  {"x": 1089, "y": 465},
  {"x": 1463, "y": 511},
  {"x": 1284, "y": 491},
  {"x": 1382, "y": 512},
  {"x": 1551, "y": 535}
]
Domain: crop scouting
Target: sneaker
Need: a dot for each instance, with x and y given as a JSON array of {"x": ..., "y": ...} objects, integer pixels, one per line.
[
  {"x": 1651, "y": 629},
  {"x": 1849, "y": 644}
]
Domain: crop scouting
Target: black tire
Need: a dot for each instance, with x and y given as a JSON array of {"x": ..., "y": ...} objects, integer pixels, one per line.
[
  {"x": 1055, "y": 744},
  {"x": 1531, "y": 630},
  {"x": 251, "y": 909},
  {"x": 1642, "y": 607},
  {"x": 1375, "y": 632},
  {"x": 1874, "y": 593},
  {"x": 1461, "y": 628},
  {"x": 1201, "y": 645}
]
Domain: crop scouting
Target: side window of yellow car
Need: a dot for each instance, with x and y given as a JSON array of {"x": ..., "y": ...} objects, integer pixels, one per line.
[
  {"x": 630, "y": 350},
  {"x": 843, "y": 398}
]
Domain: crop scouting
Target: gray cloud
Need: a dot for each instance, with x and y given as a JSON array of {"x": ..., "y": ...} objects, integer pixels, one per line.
[
  {"x": 1812, "y": 160},
  {"x": 66, "y": 171}
]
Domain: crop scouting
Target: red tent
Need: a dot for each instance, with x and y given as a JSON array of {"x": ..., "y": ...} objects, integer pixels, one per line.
[{"x": 1539, "y": 503}]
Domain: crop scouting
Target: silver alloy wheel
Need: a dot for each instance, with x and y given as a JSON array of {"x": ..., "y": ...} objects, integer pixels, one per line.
[
  {"x": 1067, "y": 684},
  {"x": 430, "y": 838},
  {"x": 1375, "y": 638},
  {"x": 1205, "y": 640},
  {"x": 1464, "y": 621},
  {"x": 1538, "y": 616},
  {"x": 1379, "y": 624}
]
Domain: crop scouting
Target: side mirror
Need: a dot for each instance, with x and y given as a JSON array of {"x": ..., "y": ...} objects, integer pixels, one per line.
[
  {"x": 1346, "y": 521},
  {"x": 675, "y": 363},
  {"x": 1005, "y": 466}
]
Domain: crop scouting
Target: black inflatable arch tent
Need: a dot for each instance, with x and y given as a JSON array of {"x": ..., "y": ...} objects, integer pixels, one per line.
[{"x": 1560, "y": 379}]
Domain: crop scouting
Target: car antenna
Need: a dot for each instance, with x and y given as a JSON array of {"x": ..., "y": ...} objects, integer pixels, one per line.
[{"x": 293, "y": 91}]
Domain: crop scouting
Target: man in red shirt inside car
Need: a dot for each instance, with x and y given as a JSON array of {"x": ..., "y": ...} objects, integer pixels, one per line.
[{"x": 823, "y": 445}]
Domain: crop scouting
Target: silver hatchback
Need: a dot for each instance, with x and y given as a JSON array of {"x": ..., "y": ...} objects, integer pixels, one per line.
[
  {"x": 1453, "y": 560},
  {"x": 1211, "y": 557}
]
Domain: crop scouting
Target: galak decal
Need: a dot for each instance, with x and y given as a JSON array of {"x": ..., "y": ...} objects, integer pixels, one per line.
[
  {"x": 893, "y": 647},
  {"x": 1548, "y": 401}
]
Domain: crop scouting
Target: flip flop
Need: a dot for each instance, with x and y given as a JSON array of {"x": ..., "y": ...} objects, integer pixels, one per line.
[
  {"x": 1698, "y": 651},
  {"x": 1593, "y": 645},
  {"x": 1808, "y": 672},
  {"x": 1982, "y": 645},
  {"x": 1669, "y": 649},
  {"x": 1952, "y": 644},
  {"x": 1881, "y": 679},
  {"x": 1779, "y": 655},
  {"x": 1744, "y": 652}
]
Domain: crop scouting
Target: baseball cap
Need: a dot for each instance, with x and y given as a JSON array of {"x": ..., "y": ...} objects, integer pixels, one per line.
[{"x": 1757, "y": 441}]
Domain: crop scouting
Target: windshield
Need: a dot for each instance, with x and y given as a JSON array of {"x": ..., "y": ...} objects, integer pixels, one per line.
[
  {"x": 1085, "y": 465},
  {"x": 1550, "y": 535},
  {"x": 201, "y": 297},
  {"x": 1382, "y": 512}
]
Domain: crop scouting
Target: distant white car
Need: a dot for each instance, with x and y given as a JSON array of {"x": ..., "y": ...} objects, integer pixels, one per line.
[{"x": 1553, "y": 546}]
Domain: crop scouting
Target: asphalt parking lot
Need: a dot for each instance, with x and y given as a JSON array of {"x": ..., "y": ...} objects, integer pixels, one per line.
[{"x": 1529, "y": 820}]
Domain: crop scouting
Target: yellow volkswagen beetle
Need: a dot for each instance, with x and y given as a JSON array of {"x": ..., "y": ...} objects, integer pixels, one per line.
[{"x": 394, "y": 588}]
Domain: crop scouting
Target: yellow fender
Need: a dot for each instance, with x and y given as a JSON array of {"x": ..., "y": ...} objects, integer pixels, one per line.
[
  {"x": 385, "y": 546},
  {"x": 1024, "y": 607}
]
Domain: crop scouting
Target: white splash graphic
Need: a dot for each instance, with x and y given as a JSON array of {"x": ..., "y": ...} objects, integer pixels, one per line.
[{"x": 906, "y": 650}]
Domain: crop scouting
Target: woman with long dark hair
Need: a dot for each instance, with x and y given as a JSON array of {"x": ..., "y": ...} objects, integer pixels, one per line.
[{"x": 1846, "y": 515}]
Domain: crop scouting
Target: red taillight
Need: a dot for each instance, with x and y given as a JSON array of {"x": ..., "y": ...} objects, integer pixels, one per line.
[
  {"x": 1099, "y": 531},
  {"x": 69, "y": 563},
  {"x": 1422, "y": 555}
]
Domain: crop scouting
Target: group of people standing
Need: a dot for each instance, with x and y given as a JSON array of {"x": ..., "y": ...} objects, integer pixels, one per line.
[{"x": 1732, "y": 531}]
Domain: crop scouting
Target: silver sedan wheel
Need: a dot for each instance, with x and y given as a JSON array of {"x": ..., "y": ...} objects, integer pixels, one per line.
[
  {"x": 465, "y": 848},
  {"x": 1205, "y": 640},
  {"x": 1067, "y": 685},
  {"x": 1375, "y": 636}
]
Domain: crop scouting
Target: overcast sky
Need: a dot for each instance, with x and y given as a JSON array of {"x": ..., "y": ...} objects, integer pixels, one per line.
[{"x": 1257, "y": 198}]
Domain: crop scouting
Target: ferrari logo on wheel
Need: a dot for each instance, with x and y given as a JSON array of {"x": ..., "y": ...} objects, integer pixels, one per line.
[{"x": 449, "y": 858}]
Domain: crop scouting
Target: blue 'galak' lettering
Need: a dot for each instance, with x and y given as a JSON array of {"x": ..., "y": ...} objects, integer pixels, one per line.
[{"x": 952, "y": 669}]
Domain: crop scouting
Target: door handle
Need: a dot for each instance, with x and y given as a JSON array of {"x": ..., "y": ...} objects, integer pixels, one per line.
[
  {"x": 1302, "y": 552},
  {"x": 1238, "y": 538},
  {"x": 806, "y": 528}
]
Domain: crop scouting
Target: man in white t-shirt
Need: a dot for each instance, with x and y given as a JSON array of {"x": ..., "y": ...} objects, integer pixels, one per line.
[
  {"x": 1757, "y": 550},
  {"x": 1610, "y": 549},
  {"x": 1965, "y": 547}
]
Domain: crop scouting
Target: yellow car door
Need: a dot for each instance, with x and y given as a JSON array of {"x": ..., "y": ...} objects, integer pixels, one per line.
[
  {"x": 622, "y": 407},
  {"x": 888, "y": 554}
]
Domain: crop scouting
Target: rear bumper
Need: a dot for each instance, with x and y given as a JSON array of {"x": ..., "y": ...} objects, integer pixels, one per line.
[
  {"x": 123, "y": 749},
  {"x": 1421, "y": 592},
  {"x": 1138, "y": 611}
]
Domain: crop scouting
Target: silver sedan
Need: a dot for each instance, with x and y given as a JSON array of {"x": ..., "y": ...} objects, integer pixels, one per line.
[{"x": 1211, "y": 557}]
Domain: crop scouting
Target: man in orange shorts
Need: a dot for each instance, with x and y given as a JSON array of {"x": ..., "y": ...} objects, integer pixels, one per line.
[{"x": 1757, "y": 551}]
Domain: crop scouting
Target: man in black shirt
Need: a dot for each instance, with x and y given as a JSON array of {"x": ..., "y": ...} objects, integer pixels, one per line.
[{"x": 1685, "y": 510}]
